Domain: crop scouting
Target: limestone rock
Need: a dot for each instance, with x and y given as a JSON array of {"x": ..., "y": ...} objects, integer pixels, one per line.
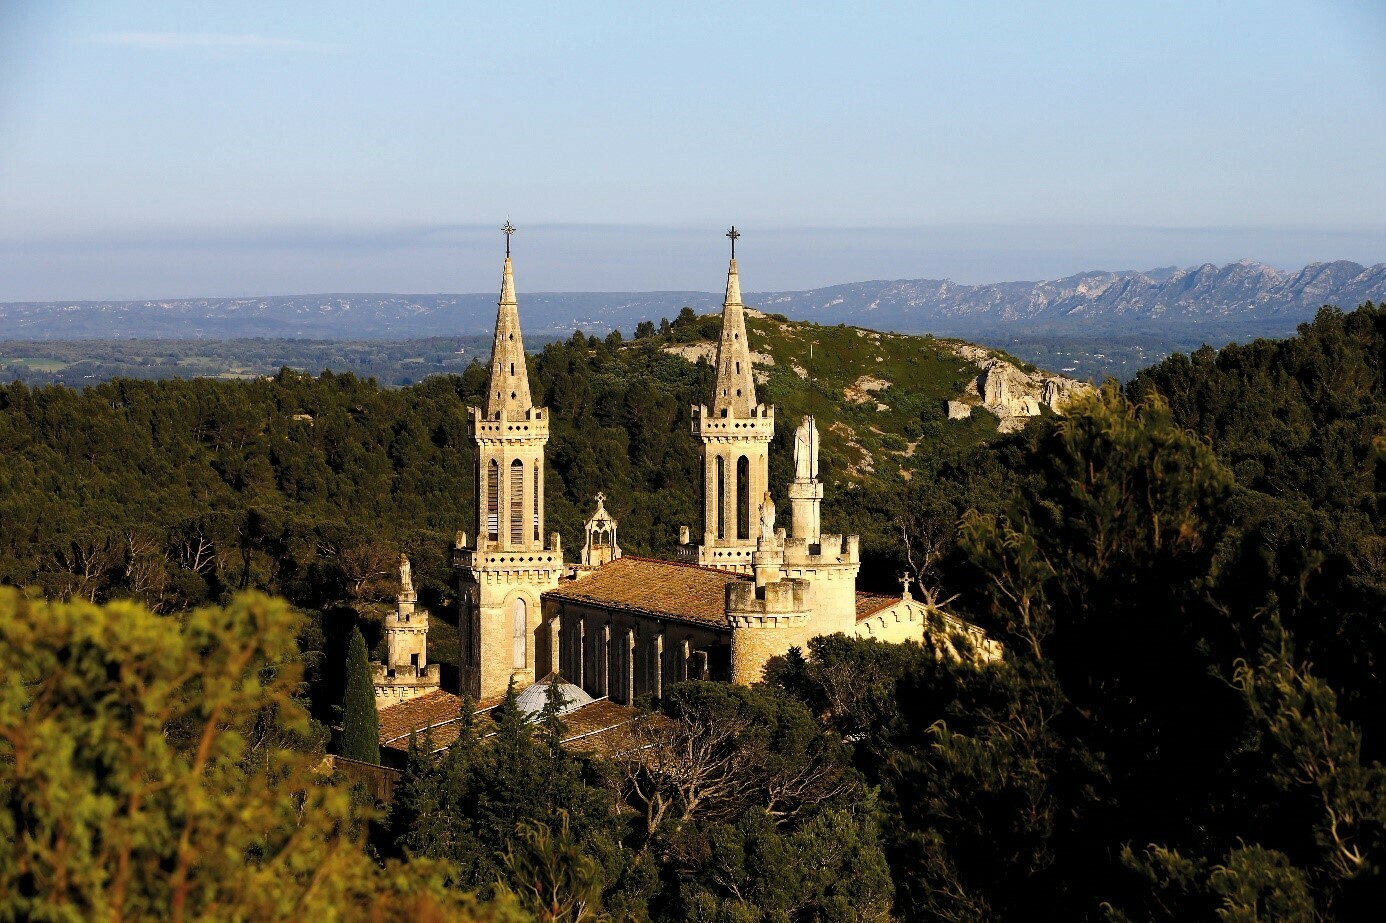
[{"x": 1010, "y": 392}]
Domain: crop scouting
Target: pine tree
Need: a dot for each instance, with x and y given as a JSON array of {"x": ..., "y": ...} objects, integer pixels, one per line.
[{"x": 360, "y": 723}]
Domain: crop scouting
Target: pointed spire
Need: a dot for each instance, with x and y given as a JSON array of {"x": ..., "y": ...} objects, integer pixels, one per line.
[
  {"x": 735, "y": 390},
  {"x": 508, "y": 390}
]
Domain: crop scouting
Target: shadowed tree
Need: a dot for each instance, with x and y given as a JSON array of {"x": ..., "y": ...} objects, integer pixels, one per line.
[{"x": 360, "y": 721}]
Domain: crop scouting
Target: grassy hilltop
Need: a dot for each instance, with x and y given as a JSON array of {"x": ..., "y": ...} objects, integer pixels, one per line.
[{"x": 879, "y": 398}]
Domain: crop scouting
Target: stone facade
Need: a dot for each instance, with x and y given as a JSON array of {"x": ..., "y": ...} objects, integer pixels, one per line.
[
  {"x": 906, "y": 619},
  {"x": 620, "y": 627}
]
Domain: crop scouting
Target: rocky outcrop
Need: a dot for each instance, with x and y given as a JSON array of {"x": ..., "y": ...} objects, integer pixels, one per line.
[{"x": 1010, "y": 392}]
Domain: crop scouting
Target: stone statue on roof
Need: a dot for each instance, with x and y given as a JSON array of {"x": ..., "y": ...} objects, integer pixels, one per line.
[
  {"x": 406, "y": 578},
  {"x": 767, "y": 517},
  {"x": 806, "y": 451}
]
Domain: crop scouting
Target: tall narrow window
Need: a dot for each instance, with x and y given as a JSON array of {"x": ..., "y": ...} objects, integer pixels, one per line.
[
  {"x": 721, "y": 497},
  {"x": 520, "y": 633},
  {"x": 493, "y": 501},
  {"x": 743, "y": 497},
  {"x": 537, "y": 495},
  {"x": 517, "y": 502}
]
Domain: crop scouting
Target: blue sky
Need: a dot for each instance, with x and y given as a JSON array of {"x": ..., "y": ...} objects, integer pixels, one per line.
[{"x": 163, "y": 149}]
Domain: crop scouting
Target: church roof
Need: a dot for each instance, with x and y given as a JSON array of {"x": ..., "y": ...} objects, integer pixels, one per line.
[
  {"x": 646, "y": 586},
  {"x": 436, "y": 710},
  {"x": 598, "y": 726},
  {"x": 868, "y": 604}
]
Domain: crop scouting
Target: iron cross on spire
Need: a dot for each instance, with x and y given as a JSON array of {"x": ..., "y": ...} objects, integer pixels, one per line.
[
  {"x": 507, "y": 230},
  {"x": 733, "y": 234}
]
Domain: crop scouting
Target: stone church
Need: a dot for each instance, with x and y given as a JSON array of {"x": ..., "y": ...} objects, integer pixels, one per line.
[{"x": 742, "y": 590}]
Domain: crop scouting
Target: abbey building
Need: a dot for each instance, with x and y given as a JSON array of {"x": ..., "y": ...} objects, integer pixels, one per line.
[{"x": 744, "y": 588}]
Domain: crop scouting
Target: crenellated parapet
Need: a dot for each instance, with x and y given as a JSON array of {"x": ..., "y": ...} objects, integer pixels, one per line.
[
  {"x": 773, "y": 605},
  {"x": 829, "y": 551},
  {"x": 712, "y": 427},
  {"x": 403, "y": 682},
  {"x": 766, "y": 621},
  {"x": 529, "y": 425}
]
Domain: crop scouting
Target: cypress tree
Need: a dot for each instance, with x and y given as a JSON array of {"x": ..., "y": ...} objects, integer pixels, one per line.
[{"x": 360, "y": 723}]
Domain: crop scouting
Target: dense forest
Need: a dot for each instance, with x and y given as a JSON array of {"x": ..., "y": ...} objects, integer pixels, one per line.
[{"x": 1188, "y": 574}]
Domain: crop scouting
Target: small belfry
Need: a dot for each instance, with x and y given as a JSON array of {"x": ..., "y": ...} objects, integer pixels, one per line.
[
  {"x": 405, "y": 673},
  {"x": 501, "y": 576},
  {"x": 735, "y": 434}
]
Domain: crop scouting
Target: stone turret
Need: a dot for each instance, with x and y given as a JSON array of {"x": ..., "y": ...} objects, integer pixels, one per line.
[
  {"x": 501, "y": 578},
  {"x": 829, "y": 567},
  {"x": 406, "y": 672},
  {"x": 766, "y": 621},
  {"x": 735, "y": 434}
]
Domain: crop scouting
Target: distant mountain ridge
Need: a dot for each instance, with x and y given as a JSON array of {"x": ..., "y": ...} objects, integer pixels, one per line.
[{"x": 1239, "y": 298}]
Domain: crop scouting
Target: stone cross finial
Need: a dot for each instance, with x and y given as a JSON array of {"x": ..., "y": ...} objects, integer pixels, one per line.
[
  {"x": 507, "y": 231},
  {"x": 601, "y": 498},
  {"x": 905, "y": 586},
  {"x": 733, "y": 234}
]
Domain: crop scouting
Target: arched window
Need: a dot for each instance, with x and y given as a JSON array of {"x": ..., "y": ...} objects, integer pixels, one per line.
[
  {"x": 517, "y": 502},
  {"x": 537, "y": 494},
  {"x": 520, "y": 633},
  {"x": 721, "y": 497},
  {"x": 743, "y": 497},
  {"x": 493, "y": 501}
]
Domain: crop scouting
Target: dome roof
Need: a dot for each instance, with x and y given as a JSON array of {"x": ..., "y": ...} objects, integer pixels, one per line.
[{"x": 533, "y": 699}]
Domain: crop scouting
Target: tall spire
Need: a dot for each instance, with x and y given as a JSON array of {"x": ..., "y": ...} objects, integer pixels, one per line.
[
  {"x": 508, "y": 390},
  {"x": 735, "y": 391}
]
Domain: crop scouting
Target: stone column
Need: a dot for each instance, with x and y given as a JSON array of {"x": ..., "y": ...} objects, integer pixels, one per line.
[
  {"x": 659, "y": 665},
  {"x": 605, "y": 668},
  {"x": 581, "y": 678}
]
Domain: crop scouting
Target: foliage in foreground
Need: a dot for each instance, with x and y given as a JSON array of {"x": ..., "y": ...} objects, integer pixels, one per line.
[
  {"x": 156, "y": 767},
  {"x": 740, "y": 808},
  {"x": 1156, "y": 745}
]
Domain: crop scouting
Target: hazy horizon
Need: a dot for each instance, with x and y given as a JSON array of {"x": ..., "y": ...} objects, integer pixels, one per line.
[{"x": 614, "y": 259}]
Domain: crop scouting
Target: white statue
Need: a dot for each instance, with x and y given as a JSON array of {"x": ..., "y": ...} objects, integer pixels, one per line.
[
  {"x": 767, "y": 517},
  {"x": 806, "y": 451},
  {"x": 406, "y": 579}
]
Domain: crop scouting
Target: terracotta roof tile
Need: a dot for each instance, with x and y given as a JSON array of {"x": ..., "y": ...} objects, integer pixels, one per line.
[
  {"x": 601, "y": 728},
  {"x": 868, "y": 604},
  {"x": 661, "y": 588},
  {"x": 437, "y": 710}
]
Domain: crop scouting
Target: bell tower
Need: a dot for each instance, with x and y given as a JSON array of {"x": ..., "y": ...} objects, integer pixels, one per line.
[
  {"x": 735, "y": 434},
  {"x": 501, "y": 577}
]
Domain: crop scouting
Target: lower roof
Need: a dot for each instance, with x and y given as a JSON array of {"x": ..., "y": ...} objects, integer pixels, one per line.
[
  {"x": 647, "y": 586},
  {"x": 599, "y": 727}
]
